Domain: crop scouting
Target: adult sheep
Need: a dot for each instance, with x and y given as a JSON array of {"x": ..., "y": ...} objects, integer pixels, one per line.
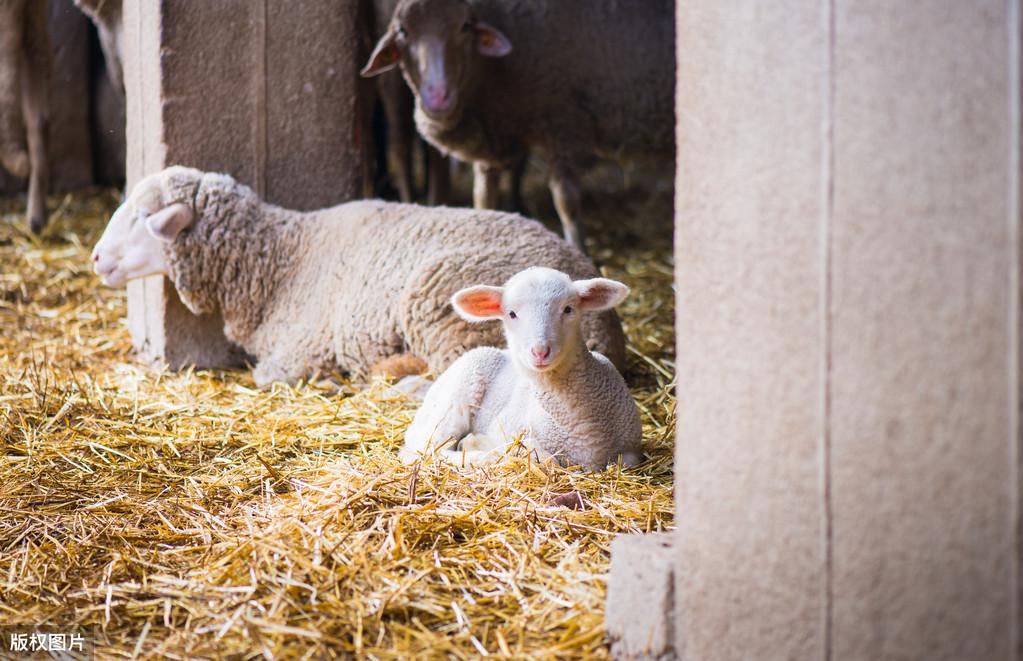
[
  {"x": 569, "y": 80},
  {"x": 342, "y": 288}
]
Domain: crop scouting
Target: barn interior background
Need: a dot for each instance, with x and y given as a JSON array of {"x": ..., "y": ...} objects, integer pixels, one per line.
[
  {"x": 849, "y": 471},
  {"x": 188, "y": 514}
]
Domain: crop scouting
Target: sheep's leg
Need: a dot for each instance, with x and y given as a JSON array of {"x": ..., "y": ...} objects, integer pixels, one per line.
[
  {"x": 444, "y": 417},
  {"x": 35, "y": 108},
  {"x": 439, "y": 174},
  {"x": 269, "y": 371},
  {"x": 564, "y": 185},
  {"x": 518, "y": 174},
  {"x": 13, "y": 156},
  {"x": 486, "y": 185}
]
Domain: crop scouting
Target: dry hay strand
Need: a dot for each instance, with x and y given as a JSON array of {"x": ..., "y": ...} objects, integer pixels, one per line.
[{"x": 191, "y": 515}]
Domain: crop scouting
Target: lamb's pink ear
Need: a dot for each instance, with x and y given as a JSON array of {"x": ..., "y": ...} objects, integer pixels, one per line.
[
  {"x": 478, "y": 303},
  {"x": 383, "y": 58},
  {"x": 167, "y": 223},
  {"x": 599, "y": 294},
  {"x": 490, "y": 41}
]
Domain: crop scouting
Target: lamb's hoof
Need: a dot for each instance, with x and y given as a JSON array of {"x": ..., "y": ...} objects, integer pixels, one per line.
[
  {"x": 413, "y": 387},
  {"x": 16, "y": 163}
]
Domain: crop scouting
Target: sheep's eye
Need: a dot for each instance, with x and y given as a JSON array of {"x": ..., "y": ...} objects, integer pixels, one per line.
[
  {"x": 568, "y": 309},
  {"x": 467, "y": 26},
  {"x": 512, "y": 315},
  {"x": 402, "y": 35}
]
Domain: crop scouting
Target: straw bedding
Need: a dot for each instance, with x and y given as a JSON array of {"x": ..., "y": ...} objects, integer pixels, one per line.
[{"x": 190, "y": 515}]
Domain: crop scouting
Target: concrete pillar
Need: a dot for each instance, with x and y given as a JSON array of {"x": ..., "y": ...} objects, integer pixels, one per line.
[
  {"x": 266, "y": 91},
  {"x": 848, "y": 234}
]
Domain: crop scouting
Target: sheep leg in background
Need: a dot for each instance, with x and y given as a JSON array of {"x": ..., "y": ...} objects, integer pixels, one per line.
[
  {"x": 13, "y": 156},
  {"x": 486, "y": 185},
  {"x": 438, "y": 172},
  {"x": 518, "y": 175},
  {"x": 35, "y": 78},
  {"x": 564, "y": 185},
  {"x": 397, "y": 102}
]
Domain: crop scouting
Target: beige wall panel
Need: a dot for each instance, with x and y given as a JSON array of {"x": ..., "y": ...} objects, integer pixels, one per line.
[
  {"x": 751, "y": 91},
  {"x": 264, "y": 91},
  {"x": 921, "y": 444}
]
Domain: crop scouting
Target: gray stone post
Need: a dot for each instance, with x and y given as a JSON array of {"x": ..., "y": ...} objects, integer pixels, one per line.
[
  {"x": 848, "y": 236},
  {"x": 266, "y": 90}
]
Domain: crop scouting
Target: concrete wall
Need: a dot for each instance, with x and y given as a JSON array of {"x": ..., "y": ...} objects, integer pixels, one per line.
[
  {"x": 848, "y": 265},
  {"x": 266, "y": 91}
]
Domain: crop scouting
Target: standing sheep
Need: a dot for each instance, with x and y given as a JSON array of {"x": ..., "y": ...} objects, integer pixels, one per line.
[
  {"x": 565, "y": 401},
  {"x": 336, "y": 289},
  {"x": 25, "y": 65},
  {"x": 585, "y": 78}
]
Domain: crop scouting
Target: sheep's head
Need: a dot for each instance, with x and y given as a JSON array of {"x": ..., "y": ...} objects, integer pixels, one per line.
[
  {"x": 134, "y": 242},
  {"x": 438, "y": 43},
  {"x": 540, "y": 310}
]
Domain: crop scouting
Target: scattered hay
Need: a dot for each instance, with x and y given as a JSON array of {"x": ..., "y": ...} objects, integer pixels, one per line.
[{"x": 191, "y": 515}]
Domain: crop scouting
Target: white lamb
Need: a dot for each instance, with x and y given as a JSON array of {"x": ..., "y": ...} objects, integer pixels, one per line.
[{"x": 562, "y": 400}]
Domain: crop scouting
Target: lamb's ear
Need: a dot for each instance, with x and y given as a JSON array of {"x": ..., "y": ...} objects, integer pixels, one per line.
[
  {"x": 384, "y": 57},
  {"x": 167, "y": 223},
  {"x": 599, "y": 294},
  {"x": 478, "y": 303},
  {"x": 490, "y": 41}
]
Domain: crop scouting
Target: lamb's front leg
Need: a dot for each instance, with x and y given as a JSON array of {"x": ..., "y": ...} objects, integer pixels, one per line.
[{"x": 445, "y": 416}]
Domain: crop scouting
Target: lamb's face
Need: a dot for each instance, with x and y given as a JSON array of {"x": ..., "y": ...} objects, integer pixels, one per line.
[
  {"x": 540, "y": 309},
  {"x": 134, "y": 243},
  {"x": 438, "y": 44}
]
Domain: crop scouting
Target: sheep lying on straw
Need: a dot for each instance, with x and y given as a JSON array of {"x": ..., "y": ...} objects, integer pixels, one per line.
[{"x": 338, "y": 289}]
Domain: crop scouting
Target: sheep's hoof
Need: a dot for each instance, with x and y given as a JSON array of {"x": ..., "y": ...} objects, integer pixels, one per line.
[{"x": 37, "y": 223}]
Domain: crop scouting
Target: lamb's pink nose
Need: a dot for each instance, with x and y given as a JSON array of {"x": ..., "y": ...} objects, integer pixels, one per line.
[
  {"x": 541, "y": 351},
  {"x": 95, "y": 256}
]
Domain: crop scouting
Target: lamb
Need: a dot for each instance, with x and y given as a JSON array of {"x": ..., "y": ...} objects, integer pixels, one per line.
[
  {"x": 586, "y": 78},
  {"x": 337, "y": 289},
  {"x": 25, "y": 65},
  {"x": 566, "y": 402}
]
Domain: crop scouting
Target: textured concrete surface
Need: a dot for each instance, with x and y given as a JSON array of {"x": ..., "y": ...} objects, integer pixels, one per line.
[
  {"x": 848, "y": 264},
  {"x": 923, "y": 249},
  {"x": 640, "y": 615},
  {"x": 751, "y": 93},
  {"x": 265, "y": 91}
]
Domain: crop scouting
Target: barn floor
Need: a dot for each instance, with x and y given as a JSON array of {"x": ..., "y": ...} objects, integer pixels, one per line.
[{"x": 190, "y": 515}]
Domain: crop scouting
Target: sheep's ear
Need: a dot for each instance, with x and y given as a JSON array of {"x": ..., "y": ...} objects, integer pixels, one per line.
[
  {"x": 490, "y": 41},
  {"x": 479, "y": 303},
  {"x": 383, "y": 58},
  {"x": 167, "y": 223},
  {"x": 599, "y": 294}
]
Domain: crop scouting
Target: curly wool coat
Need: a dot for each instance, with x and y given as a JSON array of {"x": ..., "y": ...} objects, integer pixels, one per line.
[{"x": 345, "y": 287}]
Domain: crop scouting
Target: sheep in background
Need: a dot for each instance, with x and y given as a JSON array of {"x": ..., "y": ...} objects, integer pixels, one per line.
[
  {"x": 566, "y": 402},
  {"x": 398, "y": 105},
  {"x": 25, "y": 65},
  {"x": 106, "y": 15},
  {"x": 566, "y": 79},
  {"x": 336, "y": 289}
]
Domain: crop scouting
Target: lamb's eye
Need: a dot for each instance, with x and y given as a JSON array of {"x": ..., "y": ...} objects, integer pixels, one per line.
[
  {"x": 402, "y": 35},
  {"x": 467, "y": 26},
  {"x": 512, "y": 315},
  {"x": 568, "y": 309}
]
